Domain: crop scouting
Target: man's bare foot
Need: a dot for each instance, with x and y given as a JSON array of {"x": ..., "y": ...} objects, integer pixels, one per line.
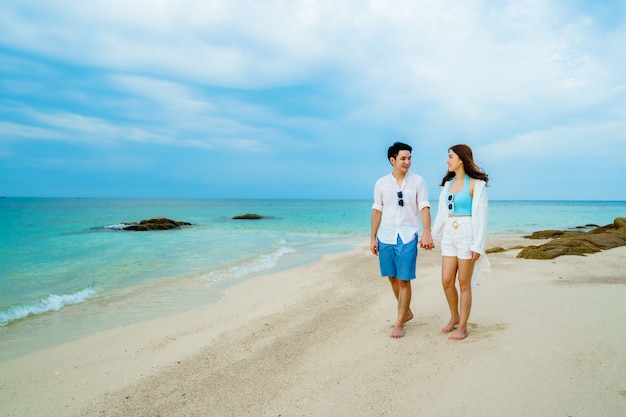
[
  {"x": 408, "y": 317},
  {"x": 460, "y": 334},
  {"x": 397, "y": 332},
  {"x": 450, "y": 326}
]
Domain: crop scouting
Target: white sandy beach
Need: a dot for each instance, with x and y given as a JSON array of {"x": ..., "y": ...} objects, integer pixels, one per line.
[{"x": 547, "y": 338}]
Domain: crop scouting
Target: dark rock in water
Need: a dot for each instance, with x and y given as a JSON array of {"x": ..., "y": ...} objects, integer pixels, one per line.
[
  {"x": 158, "y": 223},
  {"x": 248, "y": 216},
  {"x": 576, "y": 243}
]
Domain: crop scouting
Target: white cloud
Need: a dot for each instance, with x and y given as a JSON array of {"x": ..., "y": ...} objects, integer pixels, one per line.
[
  {"x": 561, "y": 142},
  {"x": 170, "y": 95},
  {"x": 563, "y": 162},
  {"x": 469, "y": 54},
  {"x": 524, "y": 79},
  {"x": 13, "y": 131}
]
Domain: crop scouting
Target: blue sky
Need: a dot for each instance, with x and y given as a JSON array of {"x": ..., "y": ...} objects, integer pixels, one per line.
[{"x": 301, "y": 98}]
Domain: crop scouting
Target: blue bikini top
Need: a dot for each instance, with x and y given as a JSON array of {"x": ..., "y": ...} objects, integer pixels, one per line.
[{"x": 460, "y": 204}]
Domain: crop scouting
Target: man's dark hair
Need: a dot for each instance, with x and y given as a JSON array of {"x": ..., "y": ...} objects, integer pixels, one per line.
[{"x": 395, "y": 149}]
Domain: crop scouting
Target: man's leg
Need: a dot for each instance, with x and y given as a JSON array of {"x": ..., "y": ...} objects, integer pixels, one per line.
[
  {"x": 404, "y": 302},
  {"x": 395, "y": 286}
]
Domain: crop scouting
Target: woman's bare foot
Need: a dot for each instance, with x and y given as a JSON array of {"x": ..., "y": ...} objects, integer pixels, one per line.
[
  {"x": 460, "y": 334},
  {"x": 397, "y": 332},
  {"x": 450, "y": 326}
]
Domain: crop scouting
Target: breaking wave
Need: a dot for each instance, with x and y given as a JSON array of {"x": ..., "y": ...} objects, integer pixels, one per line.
[{"x": 52, "y": 303}]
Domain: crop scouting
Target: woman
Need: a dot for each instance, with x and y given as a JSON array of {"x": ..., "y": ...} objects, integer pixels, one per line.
[{"x": 461, "y": 226}]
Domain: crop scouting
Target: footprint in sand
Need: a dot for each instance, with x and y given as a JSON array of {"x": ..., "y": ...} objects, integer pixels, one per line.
[{"x": 484, "y": 331}]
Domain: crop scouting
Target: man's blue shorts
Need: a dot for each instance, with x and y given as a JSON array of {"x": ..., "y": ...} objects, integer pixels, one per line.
[{"x": 398, "y": 260}]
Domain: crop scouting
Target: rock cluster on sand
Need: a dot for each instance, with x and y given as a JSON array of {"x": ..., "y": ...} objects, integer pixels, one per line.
[
  {"x": 575, "y": 243},
  {"x": 158, "y": 223}
]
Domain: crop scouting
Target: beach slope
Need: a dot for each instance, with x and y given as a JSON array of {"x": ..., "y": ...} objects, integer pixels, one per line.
[{"x": 546, "y": 339}]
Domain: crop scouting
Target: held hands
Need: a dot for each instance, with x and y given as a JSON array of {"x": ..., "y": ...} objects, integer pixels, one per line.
[
  {"x": 426, "y": 242},
  {"x": 427, "y": 246}
]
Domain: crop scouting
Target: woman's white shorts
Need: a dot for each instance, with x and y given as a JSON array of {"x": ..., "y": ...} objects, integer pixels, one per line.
[{"x": 457, "y": 237}]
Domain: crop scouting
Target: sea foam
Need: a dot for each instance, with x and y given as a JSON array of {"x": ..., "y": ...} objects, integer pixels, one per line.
[
  {"x": 258, "y": 264},
  {"x": 117, "y": 226},
  {"x": 52, "y": 303}
]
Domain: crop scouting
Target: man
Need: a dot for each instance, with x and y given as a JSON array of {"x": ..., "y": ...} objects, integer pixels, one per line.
[{"x": 400, "y": 205}]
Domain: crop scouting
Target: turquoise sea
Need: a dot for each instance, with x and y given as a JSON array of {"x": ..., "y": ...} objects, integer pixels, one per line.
[{"x": 67, "y": 271}]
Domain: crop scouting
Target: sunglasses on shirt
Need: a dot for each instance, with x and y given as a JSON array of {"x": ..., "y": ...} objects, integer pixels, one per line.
[
  {"x": 451, "y": 202},
  {"x": 400, "y": 200}
]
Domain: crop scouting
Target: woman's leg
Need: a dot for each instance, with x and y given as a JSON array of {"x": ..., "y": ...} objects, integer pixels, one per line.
[
  {"x": 449, "y": 265},
  {"x": 465, "y": 270}
]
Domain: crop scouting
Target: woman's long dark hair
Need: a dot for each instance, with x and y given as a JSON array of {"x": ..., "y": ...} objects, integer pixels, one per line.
[{"x": 465, "y": 154}]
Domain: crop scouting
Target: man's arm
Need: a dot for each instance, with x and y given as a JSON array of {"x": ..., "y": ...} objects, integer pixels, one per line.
[
  {"x": 376, "y": 217},
  {"x": 426, "y": 241}
]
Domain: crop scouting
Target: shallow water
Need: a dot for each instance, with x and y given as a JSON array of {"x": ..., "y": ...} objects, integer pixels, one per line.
[{"x": 67, "y": 272}]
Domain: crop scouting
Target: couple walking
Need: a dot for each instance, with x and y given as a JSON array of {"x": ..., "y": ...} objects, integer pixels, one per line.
[{"x": 401, "y": 205}]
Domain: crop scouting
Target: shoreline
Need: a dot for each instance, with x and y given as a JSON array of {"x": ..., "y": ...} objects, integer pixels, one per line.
[
  {"x": 314, "y": 340},
  {"x": 172, "y": 296}
]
